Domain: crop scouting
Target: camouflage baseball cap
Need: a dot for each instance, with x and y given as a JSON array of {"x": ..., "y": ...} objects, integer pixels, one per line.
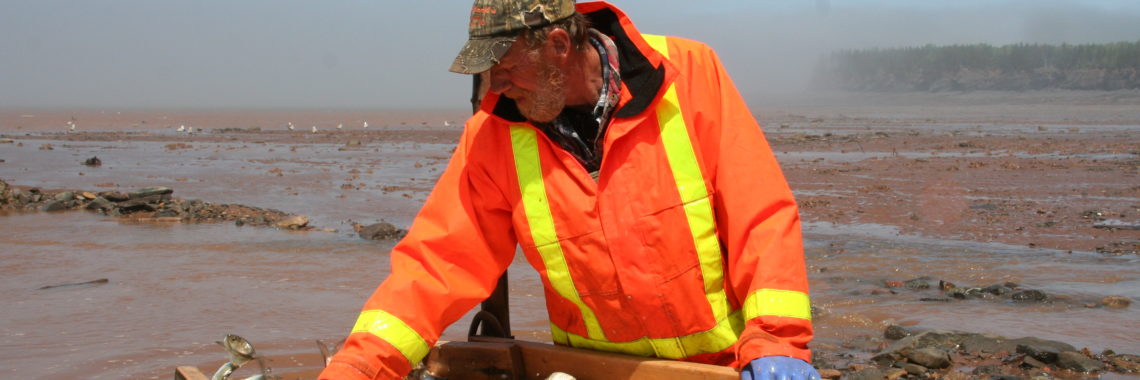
[{"x": 495, "y": 24}]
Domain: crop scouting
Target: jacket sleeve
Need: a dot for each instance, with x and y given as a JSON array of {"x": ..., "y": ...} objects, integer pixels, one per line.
[
  {"x": 447, "y": 264},
  {"x": 757, "y": 218}
]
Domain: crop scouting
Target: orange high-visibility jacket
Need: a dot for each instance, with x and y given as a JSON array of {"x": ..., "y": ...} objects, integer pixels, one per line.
[{"x": 687, "y": 246}]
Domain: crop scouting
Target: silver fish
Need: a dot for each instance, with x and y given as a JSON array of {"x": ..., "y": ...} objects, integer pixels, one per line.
[
  {"x": 224, "y": 371},
  {"x": 241, "y": 352},
  {"x": 327, "y": 350},
  {"x": 266, "y": 372}
]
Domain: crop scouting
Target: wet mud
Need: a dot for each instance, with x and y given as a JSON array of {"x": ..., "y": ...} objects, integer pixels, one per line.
[{"x": 1010, "y": 215}]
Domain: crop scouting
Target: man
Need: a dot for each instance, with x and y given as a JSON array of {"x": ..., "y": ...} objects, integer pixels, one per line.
[{"x": 636, "y": 181}]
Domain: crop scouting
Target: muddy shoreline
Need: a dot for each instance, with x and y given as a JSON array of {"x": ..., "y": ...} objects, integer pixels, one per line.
[
  {"x": 1040, "y": 176},
  {"x": 1053, "y": 170}
]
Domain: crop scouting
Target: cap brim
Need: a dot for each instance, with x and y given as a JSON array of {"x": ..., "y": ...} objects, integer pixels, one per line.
[{"x": 480, "y": 54}]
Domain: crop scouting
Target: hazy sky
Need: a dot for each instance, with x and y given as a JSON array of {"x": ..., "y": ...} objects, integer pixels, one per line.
[{"x": 381, "y": 54}]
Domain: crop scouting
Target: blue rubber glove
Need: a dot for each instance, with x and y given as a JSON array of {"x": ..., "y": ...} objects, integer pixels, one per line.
[{"x": 779, "y": 368}]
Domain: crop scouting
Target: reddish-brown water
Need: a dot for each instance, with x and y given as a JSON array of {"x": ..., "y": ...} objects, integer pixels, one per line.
[{"x": 174, "y": 289}]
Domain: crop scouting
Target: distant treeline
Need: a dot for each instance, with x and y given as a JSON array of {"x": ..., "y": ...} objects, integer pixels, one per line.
[{"x": 1020, "y": 67}]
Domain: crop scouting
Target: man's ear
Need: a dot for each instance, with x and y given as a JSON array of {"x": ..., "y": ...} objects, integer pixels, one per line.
[{"x": 559, "y": 41}]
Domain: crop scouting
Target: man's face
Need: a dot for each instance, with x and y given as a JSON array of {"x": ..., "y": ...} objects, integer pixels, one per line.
[{"x": 530, "y": 78}]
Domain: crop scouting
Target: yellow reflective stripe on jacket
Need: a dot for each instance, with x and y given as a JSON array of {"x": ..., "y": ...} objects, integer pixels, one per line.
[
  {"x": 395, "y": 332},
  {"x": 524, "y": 140},
  {"x": 691, "y": 186},
  {"x": 717, "y": 339},
  {"x": 776, "y": 302}
]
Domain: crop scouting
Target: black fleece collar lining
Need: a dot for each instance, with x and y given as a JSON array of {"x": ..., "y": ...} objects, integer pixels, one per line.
[{"x": 638, "y": 75}]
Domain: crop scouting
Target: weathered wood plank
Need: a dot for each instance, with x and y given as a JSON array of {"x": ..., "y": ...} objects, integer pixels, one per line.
[
  {"x": 474, "y": 360},
  {"x": 508, "y": 359},
  {"x": 539, "y": 360},
  {"x": 189, "y": 373}
]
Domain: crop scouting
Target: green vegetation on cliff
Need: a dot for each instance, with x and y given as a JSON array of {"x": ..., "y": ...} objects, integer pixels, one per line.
[{"x": 1019, "y": 67}]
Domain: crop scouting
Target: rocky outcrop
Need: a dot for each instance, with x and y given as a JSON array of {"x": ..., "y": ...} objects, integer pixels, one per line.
[
  {"x": 151, "y": 203},
  {"x": 380, "y": 231},
  {"x": 943, "y": 352}
]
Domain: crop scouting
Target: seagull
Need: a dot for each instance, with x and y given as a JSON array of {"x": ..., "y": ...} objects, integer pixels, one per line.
[
  {"x": 340, "y": 126},
  {"x": 366, "y": 125},
  {"x": 314, "y": 129},
  {"x": 71, "y": 126},
  {"x": 290, "y": 125},
  {"x": 181, "y": 128},
  {"x": 446, "y": 123}
]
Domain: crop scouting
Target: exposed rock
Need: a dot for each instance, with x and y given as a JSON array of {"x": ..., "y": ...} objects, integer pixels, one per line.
[
  {"x": 1030, "y": 362},
  {"x": 896, "y": 332},
  {"x": 986, "y": 370},
  {"x": 1077, "y": 362},
  {"x": 918, "y": 283},
  {"x": 65, "y": 196},
  {"x": 963, "y": 293},
  {"x": 149, "y": 204},
  {"x": 1125, "y": 362},
  {"x": 951, "y": 341},
  {"x": 1041, "y": 349},
  {"x": 984, "y": 343},
  {"x": 1045, "y": 354},
  {"x": 135, "y": 204},
  {"x": 167, "y": 213},
  {"x": 292, "y": 222},
  {"x": 830, "y": 373},
  {"x": 914, "y": 369},
  {"x": 1116, "y": 302},
  {"x": 929, "y": 357},
  {"x": 871, "y": 373},
  {"x": 1120, "y": 248},
  {"x": 99, "y": 204},
  {"x": 5, "y": 194},
  {"x": 899, "y": 349},
  {"x": 1115, "y": 224},
  {"x": 381, "y": 231},
  {"x": 32, "y": 196},
  {"x": 114, "y": 196},
  {"x": 955, "y": 375},
  {"x": 55, "y": 206},
  {"x": 997, "y": 289},
  {"x": 150, "y": 191},
  {"x": 1029, "y": 295},
  {"x": 76, "y": 284}
]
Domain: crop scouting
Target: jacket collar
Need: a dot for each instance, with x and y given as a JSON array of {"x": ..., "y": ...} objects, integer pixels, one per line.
[{"x": 642, "y": 69}]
